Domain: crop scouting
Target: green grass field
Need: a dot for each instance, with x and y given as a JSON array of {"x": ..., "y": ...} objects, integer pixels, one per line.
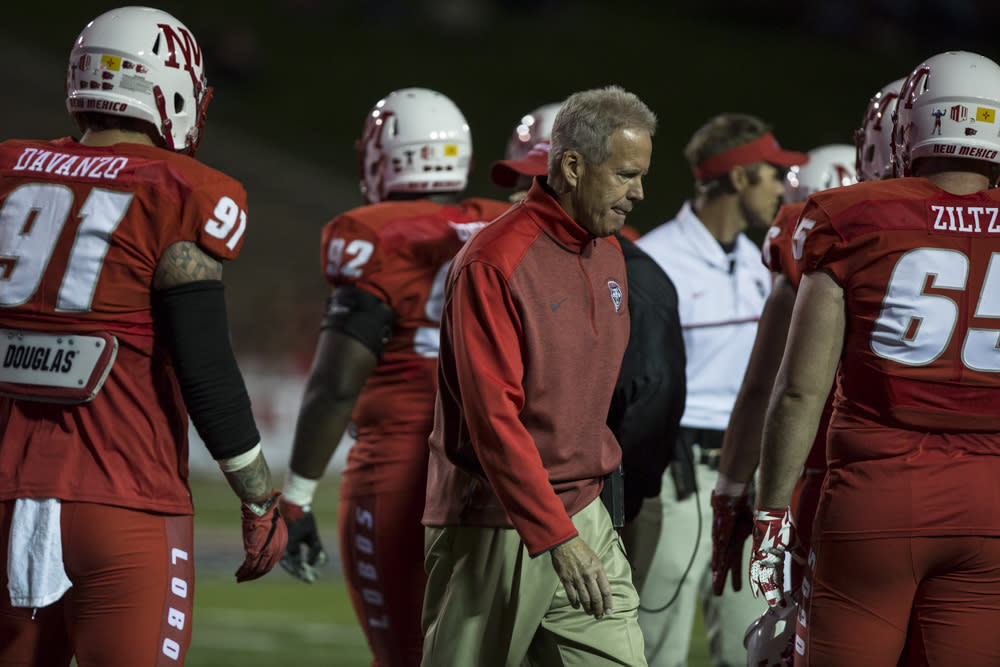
[
  {"x": 278, "y": 620},
  {"x": 275, "y": 620}
]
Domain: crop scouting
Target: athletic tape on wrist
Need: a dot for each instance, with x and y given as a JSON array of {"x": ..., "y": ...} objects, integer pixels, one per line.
[
  {"x": 240, "y": 460},
  {"x": 299, "y": 490}
]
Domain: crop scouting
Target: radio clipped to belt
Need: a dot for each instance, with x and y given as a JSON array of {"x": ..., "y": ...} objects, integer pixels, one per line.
[
  {"x": 613, "y": 496},
  {"x": 55, "y": 367}
]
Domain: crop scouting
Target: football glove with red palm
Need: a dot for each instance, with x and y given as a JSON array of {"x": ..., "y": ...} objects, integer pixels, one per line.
[
  {"x": 732, "y": 524},
  {"x": 304, "y": 553},
  {"x": 264, "y": 536},
  {"x": 773, "y": 536}
]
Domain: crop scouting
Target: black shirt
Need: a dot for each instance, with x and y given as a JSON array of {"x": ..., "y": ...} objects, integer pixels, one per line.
[{"x": 649, "y": 397}]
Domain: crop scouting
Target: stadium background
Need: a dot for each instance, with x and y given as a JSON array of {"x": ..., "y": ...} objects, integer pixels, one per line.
[{"x": 294, "y": 80}]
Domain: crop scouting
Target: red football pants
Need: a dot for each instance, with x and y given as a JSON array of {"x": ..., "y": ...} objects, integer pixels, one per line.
[
  {"x": 934, "y": 600},
  {"x": 805, "y": 499},
  {"x": 131, "y": 599},
  {"x": 382, "y": 550}
]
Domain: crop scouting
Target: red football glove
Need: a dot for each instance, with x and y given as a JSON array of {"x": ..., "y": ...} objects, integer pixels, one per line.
[
  {"x": 773, "y": 535},
  {"x": 732, "y": 524},
  {"x": 264, "y": 536}
]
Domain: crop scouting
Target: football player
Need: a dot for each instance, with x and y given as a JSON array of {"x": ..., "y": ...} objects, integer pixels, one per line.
[
  {"x": 741, "y": 451},
  {"x": 527, "y": 153},
  {"x": 873, "y": 139},
  {"x": 739, "y": 170},
  {"x": 114, "y": 330},
  {"x": 376, "y": 361},
  {"x": 732, "y": 518},
  {"x": 732, "y": 514},
  {"x": 897, "y": 302}
]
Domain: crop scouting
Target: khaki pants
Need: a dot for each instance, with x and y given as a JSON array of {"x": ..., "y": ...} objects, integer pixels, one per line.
[
  {"x": 488, "y": 603},
  {"x": 661, "y": 540}
]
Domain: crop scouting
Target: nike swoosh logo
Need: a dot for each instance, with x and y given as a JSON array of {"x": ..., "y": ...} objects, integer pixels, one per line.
[{"x": 555, "y": 305}]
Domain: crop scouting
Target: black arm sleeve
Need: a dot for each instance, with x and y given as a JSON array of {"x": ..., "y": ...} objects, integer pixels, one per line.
[
  {"x": 648, "y": 400},
  {"x": 191, "y": 318},
  {"x": 362, "y": 316}
]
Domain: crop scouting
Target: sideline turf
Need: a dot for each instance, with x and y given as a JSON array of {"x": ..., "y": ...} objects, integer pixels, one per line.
[{"x": 278, "y": 620}]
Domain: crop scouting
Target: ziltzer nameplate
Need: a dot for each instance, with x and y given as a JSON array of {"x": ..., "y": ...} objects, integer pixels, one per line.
[{"x": 57, "y": 368}]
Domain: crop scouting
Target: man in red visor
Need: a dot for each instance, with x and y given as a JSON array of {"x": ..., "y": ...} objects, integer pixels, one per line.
[{"x": 721, "y": 288}]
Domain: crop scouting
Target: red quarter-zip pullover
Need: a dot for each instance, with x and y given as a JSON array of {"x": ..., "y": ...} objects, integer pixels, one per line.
[{"x": 534, "y": 329}]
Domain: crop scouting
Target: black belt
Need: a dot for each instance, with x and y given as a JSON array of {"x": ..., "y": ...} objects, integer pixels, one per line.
[{"x": 709, "y": 443}]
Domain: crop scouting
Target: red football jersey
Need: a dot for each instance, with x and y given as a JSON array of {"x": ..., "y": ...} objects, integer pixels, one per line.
[
  {"x": 914, "y": 444},
  {"x": 81, "y": 232},
  {"x": 778, "y": 252},
  {"x": 400, "y": 252}
]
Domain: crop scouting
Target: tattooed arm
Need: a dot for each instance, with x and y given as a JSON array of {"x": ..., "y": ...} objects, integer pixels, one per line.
[
  {"x": 251, "y": 482},
  {"x": 191, "y": 311},
  {"x": 185, "y": 262},
  {"x": 190, "y": 315}
]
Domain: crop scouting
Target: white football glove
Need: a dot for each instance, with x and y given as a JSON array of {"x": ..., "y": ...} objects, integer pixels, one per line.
[{"x": 773, "y": 535}]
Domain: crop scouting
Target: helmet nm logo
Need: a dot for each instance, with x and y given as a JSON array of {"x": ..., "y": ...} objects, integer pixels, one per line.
[{"x": 185, "y": 44}]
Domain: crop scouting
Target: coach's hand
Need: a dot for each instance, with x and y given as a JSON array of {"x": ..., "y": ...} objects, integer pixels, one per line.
[
  {"x": 264, "y": 536},
  {"x": 304, "y": 552},
  {"x": 732, "y": 524},
  {"x": 582, "y": 575}
]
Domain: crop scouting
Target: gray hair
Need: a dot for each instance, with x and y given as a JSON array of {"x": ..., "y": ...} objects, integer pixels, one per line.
[{"x": 587, "y": 120}]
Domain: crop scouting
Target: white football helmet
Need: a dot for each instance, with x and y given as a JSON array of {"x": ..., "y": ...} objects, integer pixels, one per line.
[
  {"x": 533, "y": 127},
  {"x": 141, "y": 63},
  {"x": 948, "y": 108},
  {"x": 770, "y": 640},
  {"x": 874, "y": 138},
  {"x": 828, "y": 167},
  {"x": 416, "y": 141}
]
